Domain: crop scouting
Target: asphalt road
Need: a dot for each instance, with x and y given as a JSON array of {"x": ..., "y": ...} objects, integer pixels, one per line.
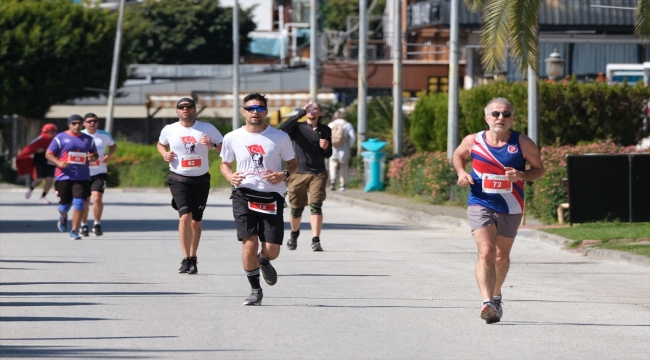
[{"x": 382, "y": 289}]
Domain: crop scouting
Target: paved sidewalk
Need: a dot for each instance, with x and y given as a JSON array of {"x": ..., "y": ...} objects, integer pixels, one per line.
[{"x": 384, "y": 288}]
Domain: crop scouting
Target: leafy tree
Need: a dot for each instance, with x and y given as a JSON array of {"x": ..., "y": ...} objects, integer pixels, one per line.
[
  {"x": 51, "y": 52},
  {"x": 336, "y": 14},
  {"x": 184, "y": 32},
  {"x": 513, "y": 24}
]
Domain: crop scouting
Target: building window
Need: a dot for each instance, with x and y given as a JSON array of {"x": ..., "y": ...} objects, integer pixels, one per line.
[{"x": 438, "y": 84}]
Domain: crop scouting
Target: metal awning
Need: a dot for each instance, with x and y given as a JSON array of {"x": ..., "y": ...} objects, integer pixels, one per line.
[{"x": 223, "y": 100}]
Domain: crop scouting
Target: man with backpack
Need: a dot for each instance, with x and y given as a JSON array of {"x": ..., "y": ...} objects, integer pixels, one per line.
[{"x": 343, "y": 138}]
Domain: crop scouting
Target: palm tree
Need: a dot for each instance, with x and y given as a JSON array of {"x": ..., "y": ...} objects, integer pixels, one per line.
[{"x": 512, "y": 25}]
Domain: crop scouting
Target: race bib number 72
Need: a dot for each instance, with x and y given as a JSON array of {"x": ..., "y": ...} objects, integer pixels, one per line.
[{"x": 496, "y": 184}]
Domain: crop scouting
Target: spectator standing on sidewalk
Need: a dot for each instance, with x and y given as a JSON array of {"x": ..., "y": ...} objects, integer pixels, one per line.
[
  {"x": 71, "y": 151},
  {"x": 258, "y": 190},
  {"x": 312, "y": 142},
  {"x": 496, "y": 199},
  {"x": 185, "y": 145},
  {"x": 343, "y": 137},
  {"x": 98, "y": 173},
  {"x": 31, "y": 161}
]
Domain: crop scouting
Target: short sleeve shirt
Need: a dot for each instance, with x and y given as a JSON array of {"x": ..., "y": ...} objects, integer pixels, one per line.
[
  {"x": 102, "y": 140},
  {"x": 191, "y": 157},
  {"x": 258, "y": 154},
  {"x": 72, "y": 149}
]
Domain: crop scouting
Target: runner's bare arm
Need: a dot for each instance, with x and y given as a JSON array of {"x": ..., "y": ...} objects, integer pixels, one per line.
[
  {"x": 233, "y": 178},
  {"x": 55, "y": 160},
  {"x": 162, "y": 149},
  {"x": 459, "y": 160},
  {"x": 531, "y": 154},
  {"x": 292, "y": 166},
  {"x": 111, "y": 150}
]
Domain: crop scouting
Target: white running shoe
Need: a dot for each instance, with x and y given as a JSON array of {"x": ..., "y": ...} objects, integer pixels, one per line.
[
  {"x": 44, "y": 200},
  {"x": 28, "y": 194}
]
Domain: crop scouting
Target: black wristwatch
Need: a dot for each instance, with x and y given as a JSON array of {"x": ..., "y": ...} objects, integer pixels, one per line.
[
  {"x": 286, "y": 174},
  {"x": 214, "y": 145}
]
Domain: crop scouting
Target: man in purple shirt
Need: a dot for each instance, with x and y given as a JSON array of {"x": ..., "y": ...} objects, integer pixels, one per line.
[{"x": 70, "y": 151}]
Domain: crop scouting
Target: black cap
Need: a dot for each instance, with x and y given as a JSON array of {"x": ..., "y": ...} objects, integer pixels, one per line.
[
  {"x": 74, "y": 118},
  {"x": 185, "y": 99}
]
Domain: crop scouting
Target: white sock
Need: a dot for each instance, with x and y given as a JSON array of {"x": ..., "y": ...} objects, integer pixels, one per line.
[
  {"x": 95, "y": 222},
  {"x": 83, "y": 224}
]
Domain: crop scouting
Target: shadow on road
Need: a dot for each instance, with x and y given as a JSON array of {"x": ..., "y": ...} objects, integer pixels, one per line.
[
  {"x": 44, "y": 303},
  {"x": 49, "y": 351}
]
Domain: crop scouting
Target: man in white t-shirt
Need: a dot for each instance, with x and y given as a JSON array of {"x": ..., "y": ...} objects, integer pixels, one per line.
[
  {"x": 185, "y": 145},
  {"x": 98, "y": 173},
  {"x": 258, "y": 190},
  {"x": 341, "y": 152}
]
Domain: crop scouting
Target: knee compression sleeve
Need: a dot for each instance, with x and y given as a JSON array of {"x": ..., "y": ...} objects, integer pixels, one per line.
[
  {"x": 316, "y": 208},
  {"x": 64, "y": 208},
  {"x": 78, "y": 204},
  {"x": 296, "y": 213}
]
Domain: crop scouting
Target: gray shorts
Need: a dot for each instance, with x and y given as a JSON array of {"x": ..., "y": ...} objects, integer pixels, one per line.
[{"x": 480, "y": 217}]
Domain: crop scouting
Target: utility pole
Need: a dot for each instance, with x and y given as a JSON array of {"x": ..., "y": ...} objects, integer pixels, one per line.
[
  {"x": 116, "y": 63},
  {"x": 362, "y": 91},
  {"x": 532, "y": 106},
  {"x": 452, "y": 112},
  {"x": 398, "y": 121},
  {"x": 313, "y": 80},
  {"x": 235, "y": 65}
]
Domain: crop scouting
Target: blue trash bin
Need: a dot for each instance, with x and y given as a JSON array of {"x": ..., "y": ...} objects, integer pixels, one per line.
[{"x": 374, "y": 165}]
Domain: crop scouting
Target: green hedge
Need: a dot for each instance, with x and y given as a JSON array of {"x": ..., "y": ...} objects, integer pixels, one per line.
[
  {"x": 429, "y": 175},
  {"x": 569, "y": 112}
]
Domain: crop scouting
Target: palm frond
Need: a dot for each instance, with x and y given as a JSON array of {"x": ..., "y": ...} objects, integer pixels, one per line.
[
  {"x": 475, "y": 5},
  {"x": 523, "y": 18},
  {"x": 494, "y": 35},
  {"x": 642, "y": 20}
]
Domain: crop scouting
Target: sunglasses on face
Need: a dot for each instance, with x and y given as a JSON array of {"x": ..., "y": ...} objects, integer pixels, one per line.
[
  {"x": 92, "y": 121},
  {"x": 252, "y": 108},
  {"x": 185, "y": 106},
  {"x": 506, "y": 114},
  {"x": 75, "y": 123}
]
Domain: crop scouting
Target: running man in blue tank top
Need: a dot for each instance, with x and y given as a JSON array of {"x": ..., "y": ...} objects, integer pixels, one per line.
[{"x": 496, "y": 199}]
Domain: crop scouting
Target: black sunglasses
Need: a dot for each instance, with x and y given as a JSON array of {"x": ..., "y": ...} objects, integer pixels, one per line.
[
  {"x": 185, "y": 106},
  {"x": 76, "y": 123},
  {"x": 506, "y": 114},
  {"x": 92, "y": 121},
  {"x": 252, "y": 108}
]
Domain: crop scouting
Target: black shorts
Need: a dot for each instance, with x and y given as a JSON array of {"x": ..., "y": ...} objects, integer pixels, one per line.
[
  {"x": 44, "y": 171},
  {"x": 98, "y": 182},
  {"x": 269, "y": 227},
  {"x": 189, "y": 194},
  {"x": 66, "y": 190}
]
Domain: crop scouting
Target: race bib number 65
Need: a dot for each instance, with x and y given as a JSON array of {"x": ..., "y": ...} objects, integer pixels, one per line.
[{"x": 496, "y": 184}]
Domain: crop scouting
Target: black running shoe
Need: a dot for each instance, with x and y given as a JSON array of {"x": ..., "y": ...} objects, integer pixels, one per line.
[
  {"x": 315, "y": 246},
  {"x": 97, "y": 230},
  {"x": 255, "y": 298},
  {"x": 84, "y": 230},
  {"x": 193, "y": 268},
  {"x": 185, "y": 266},
  {"x": 292, "y": 244},
  {"x": 269, "y": 274}
]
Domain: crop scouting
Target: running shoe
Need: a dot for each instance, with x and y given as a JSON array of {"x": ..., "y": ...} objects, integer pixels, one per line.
[
  {"x": 28, "y": 194},
  {"x": 499, "y": 305},
  {"x": 333, "y": 186},
  {"x": 185, "y": 266},
  {"x": 84, "y": 230},
  {"x": 44, "y": 200},
  {"x": 292, "y": 244},
  {"x": 342, "y": 188},
  {"x": 193, "y": 268},
  {"x": 97, "y": 230},
  {"x": 269, "y": 274},
  {"x": 74, "y": 235},
  {"x": 489, "y": 313},
  {"x": 62, "y": 224},
  {"x": 255, "y": 298},
  {"x": 315, "y": 246}
]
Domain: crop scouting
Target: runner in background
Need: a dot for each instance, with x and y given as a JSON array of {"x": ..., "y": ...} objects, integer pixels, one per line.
[
  {"x": 98, "y": 173},
  {"x": 31, "y": 161}
]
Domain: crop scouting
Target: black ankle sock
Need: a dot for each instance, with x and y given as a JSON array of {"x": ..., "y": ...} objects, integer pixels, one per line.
[
  {"x": 295, "y": 234},
  {"x": 315, "y": 239},
  {"x": 254, "y": 278},
  {"x": 263, "y": 260},
  {"x": 44, "y": 194}
]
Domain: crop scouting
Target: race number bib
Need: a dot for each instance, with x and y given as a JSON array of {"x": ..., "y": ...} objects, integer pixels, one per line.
[
  {"x": 189, "y": 162},
  {"x": 75, "y": 157},
  {"x": 94, "y": 163},
  {"x": 270, "y": 208},
  {"x": 496, "y": 184}
]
